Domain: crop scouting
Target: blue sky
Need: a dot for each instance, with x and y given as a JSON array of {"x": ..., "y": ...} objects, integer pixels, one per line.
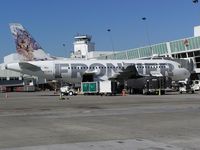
[{"x": 54, "y": 22}]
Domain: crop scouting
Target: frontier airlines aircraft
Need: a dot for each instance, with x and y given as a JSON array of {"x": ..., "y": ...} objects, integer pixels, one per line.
[{"x": 34, "y": 61}]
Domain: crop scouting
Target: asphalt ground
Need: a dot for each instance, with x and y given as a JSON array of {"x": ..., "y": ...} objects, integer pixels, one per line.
[{"x": 39, "y": 120}]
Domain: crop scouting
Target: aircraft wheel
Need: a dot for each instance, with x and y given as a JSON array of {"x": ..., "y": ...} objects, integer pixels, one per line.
[
  {"x": 192, "y": 92},
  {"x": 71, "y": 93}
]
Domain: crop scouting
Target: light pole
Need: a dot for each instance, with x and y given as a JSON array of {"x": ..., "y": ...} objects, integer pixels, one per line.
[
  {"x": 64, "y": 45},
  {"x": 111, "y": 41},
  {"x": 147, "y": 34}
]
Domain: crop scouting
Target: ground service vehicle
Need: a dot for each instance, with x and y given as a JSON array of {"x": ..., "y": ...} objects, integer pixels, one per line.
[
  {"x": 67, "y": 90},
  {"x": 185, "y": 87},
  {"x": 101, "y": 87},
  {"x": 196, "y": 85},
  {"x": 148, "y": 85}
]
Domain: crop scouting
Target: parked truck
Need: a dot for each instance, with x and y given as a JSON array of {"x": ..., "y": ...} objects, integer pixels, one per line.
[
  {"x": 98, "y": 87},
  {"x": 89, "y": 87},
  {"x": 148, "y": 85}
]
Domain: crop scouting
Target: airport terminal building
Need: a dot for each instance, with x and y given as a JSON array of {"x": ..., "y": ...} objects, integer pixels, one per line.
[{"x": 186, "y": 48}]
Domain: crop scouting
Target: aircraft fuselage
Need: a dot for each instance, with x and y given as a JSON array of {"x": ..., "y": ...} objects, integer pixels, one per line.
[{"x": 73, "y": 70}]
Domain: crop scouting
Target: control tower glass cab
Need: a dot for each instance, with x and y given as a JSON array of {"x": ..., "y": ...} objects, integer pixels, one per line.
[{"x": 83, "y": 45}]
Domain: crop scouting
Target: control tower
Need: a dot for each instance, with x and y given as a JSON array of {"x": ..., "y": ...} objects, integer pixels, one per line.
[{"x": 82, "y": 45}]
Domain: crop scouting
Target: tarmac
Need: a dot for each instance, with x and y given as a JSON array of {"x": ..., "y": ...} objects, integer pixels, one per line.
[{"x": 39, "y": 120}]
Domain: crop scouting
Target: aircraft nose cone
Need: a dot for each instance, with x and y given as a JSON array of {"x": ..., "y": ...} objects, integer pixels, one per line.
[
  {"x": 181, "y": 74},
  {"x": 186, "y": 73}
]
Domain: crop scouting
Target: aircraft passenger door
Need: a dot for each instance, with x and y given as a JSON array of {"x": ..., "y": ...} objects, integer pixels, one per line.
[
  {"x": 57, "y": 72},
  {"x": 88, "y": 78}
]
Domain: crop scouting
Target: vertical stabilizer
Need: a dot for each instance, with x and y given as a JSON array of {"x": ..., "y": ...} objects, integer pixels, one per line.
[{"x": 26, "y": 46}]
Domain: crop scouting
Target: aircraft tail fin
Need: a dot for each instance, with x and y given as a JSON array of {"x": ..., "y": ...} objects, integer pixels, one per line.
[{"x": 26, "y": 46}]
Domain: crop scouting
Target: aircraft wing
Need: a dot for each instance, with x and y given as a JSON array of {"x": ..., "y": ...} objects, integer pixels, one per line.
[
  {"x": 129, "y": 72},
  {"x": 28, "y": 66}
]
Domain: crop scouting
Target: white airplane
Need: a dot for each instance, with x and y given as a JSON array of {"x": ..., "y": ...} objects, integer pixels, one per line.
[{"x": 37, "y": 63}]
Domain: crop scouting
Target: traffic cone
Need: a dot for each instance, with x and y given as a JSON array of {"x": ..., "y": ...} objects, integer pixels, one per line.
[{"x": 123, "y": 92}]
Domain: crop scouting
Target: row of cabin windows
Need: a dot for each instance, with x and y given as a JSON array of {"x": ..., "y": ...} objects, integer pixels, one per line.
[
  {"x": 96, "y": 67},
  {"x": 113, "y": 67},
  {"x": 3, "y": 78},
  {"x": 155, "y": 66},
  {"x": 10, "y": 78}
]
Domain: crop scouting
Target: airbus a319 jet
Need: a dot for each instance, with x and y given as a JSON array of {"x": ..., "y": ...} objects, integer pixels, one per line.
[{"x": 34, "y": 61}]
